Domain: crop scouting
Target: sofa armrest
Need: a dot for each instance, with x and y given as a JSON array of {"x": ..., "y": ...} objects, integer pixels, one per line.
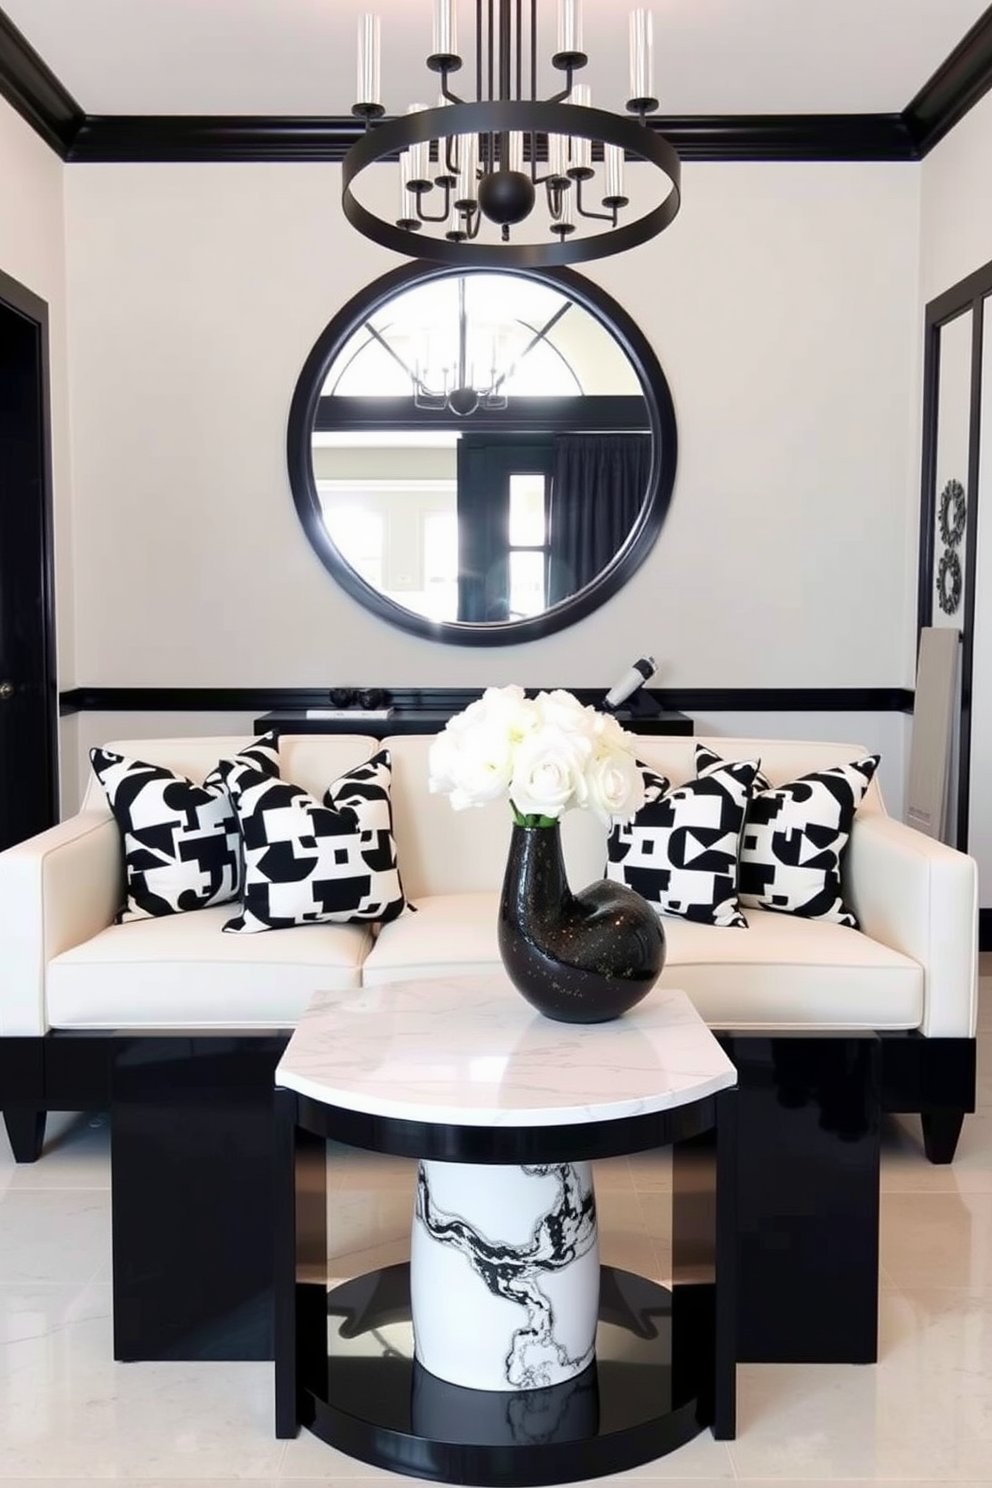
[
  {"x": 920, "y": 897},
  {"x": 57, "y": 890}
]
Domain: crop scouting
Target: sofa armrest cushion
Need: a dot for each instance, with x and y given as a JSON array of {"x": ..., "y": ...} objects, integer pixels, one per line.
[
  {"x": 920, "y": 897},
  {"x": 57, "y": 890}
]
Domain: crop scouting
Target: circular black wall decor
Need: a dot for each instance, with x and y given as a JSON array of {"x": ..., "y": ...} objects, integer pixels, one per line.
[
  {"x": 949, "y": 581},
  {"x": 953, "y": 513},
  {"x": 542, "y": 421}
]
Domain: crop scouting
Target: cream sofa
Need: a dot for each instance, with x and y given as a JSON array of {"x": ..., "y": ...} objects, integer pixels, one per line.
[{"x": 72, "y": 981}]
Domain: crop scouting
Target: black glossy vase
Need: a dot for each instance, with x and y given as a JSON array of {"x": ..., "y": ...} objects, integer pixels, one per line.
[{"x": 580, "y": 958}]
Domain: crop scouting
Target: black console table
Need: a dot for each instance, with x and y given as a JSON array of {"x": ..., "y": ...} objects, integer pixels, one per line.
[{"x": 427, "y": 710}]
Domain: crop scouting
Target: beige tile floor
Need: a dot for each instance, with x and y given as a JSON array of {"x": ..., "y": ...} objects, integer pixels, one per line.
[{"x": 923, "y": 1414}]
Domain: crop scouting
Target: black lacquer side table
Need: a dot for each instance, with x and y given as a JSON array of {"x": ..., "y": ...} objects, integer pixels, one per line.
[{"x": 462, "y": 1071}]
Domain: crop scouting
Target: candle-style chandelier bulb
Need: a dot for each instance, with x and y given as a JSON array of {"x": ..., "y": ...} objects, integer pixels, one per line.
[
  {"x": 444, "y": 46},
  {"x": 569, "y": 51},
  {"x": 368, "y": 104},
  {"x": 642, "y": 100}
]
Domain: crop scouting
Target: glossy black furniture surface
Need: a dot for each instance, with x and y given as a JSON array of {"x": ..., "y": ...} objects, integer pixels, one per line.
[
  {"x": 665, "y": 1364},
  {"x": 807, "y": 1196},
  {"x": 426, "y": 711},
  {"x": 192, "y": 1152}
]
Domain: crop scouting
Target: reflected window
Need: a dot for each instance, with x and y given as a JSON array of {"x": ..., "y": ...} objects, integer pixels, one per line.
[{"x": 500, "y": 335}]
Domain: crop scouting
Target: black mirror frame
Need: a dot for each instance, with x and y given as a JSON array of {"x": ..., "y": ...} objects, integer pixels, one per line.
[{"x": 664, "y": 458}]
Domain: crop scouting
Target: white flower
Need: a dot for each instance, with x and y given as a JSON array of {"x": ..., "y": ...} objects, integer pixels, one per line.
[
  {"x": 471, "y": 760},
  {"x": 616, "y": 785},
  {"x": 546, "y": 754},
  {"x": 564, "y": 711},
  {"x": 549, "y": 772}
]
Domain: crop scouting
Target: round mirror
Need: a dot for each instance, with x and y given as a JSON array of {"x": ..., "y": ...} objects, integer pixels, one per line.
[{"x": 482, "y": 457}]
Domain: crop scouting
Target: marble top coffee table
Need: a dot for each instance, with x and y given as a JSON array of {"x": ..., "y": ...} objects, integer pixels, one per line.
[{"x": 525, "y": 1361}]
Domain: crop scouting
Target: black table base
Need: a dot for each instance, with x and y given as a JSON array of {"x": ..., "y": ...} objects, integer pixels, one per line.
[
  {"x": 665, "y": 1360},
  {"x": 647, "y": 1392}
]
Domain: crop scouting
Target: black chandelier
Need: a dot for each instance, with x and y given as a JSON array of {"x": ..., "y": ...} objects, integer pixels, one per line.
[{"x": 472, "y": 171}]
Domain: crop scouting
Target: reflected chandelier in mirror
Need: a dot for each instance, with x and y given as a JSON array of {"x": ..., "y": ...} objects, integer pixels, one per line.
[{"x": 482, "y": 457}]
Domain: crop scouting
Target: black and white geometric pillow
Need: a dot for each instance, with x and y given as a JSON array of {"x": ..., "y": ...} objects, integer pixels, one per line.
[
  {"x": 307, "y": 862},
  {"x": 794, "y": 840},
  {"x": 680, "y": 851},
  {"x": 181, "y": 842}
]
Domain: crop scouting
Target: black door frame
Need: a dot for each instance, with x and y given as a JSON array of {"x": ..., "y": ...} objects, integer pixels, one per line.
[{"x": 17, "y": 298}]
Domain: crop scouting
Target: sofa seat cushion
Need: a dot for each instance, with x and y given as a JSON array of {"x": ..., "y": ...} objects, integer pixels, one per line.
[
  {"x": 450, "y": 934},
  {"x": 181, "y": 971},
  {"x": 784, "y": 972},
  {"x": 792, "y": 973}
]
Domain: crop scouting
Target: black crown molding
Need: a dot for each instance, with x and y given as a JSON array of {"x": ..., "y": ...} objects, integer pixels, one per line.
[
  {"x": 690, "y": 700},
  {"x": 31, "y": 87},
  {"x": 775, "y": 137},
  {"x": 37, "y": 94},
  {"x": 955, "y": 87}
]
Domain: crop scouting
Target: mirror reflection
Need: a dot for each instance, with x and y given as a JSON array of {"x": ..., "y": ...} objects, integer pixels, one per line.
[{"x": 481, "y": 449}]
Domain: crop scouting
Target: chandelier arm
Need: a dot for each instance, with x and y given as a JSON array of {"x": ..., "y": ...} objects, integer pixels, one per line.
[
  {"x": 451, "y": 156},
  {"x": 445, "y": 90},
  {"x": 594, "y": 216},
  {"x": 429, "y": 216}
]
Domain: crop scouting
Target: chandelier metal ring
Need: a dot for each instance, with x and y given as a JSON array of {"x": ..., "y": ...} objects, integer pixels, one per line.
[{"x": 384, "y": 141}]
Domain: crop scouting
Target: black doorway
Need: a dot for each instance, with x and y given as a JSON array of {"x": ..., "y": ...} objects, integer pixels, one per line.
[{"x": 28, "y": 700}]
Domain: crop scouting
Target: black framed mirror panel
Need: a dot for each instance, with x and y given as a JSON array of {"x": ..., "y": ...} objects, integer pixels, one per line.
[{"x": 529, "y": 561}]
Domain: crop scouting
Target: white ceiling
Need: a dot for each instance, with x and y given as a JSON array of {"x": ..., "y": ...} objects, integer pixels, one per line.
[{"x": 273, "y": 57}]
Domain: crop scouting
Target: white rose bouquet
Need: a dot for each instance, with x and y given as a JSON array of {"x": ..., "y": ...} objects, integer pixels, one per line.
[{"x": 545, "y": 755}]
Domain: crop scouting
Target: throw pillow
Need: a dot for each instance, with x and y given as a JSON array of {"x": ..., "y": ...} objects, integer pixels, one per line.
[
  {"x": 307, "y": 862},
  {"x": 181, "y": 842},
  {"x": 795, "y": 837},
  {"x": 680, "y": 850}
]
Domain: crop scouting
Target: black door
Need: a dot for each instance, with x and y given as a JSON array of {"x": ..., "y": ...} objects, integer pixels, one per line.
[
  {"x": 28, "y": 703},
  {"x": 488, "y": 549}
]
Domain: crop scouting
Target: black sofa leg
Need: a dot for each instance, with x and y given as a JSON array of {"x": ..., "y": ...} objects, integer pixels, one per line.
[
  {"x": 26, "y": 1131},
  {"x": 941, "y": 1130}
]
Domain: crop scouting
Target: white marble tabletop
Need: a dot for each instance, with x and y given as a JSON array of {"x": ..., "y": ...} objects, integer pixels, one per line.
[{"x": 469, "y": 1051}]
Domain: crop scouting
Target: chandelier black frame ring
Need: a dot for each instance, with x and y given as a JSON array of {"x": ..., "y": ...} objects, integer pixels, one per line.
[{"x": 384, "y": 141}]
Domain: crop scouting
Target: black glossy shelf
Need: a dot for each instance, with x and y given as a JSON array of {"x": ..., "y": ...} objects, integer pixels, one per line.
[
  {"x": 632, "y": 1405},
  {"x": 432, "y": 720}
]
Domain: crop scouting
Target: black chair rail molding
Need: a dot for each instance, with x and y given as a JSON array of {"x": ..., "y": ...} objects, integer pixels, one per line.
[
  {"x": 481, "y": 457},
  {"x": 453, "y": 700}
]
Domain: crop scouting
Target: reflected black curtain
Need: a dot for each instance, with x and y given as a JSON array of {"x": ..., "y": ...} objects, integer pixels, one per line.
[{"x": 598, "y": 485}]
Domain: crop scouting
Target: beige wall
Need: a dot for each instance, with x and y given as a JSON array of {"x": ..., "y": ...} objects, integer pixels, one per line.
[
  {"x": 783, "y": 304},
  {"x": 32, "y": 251}
]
